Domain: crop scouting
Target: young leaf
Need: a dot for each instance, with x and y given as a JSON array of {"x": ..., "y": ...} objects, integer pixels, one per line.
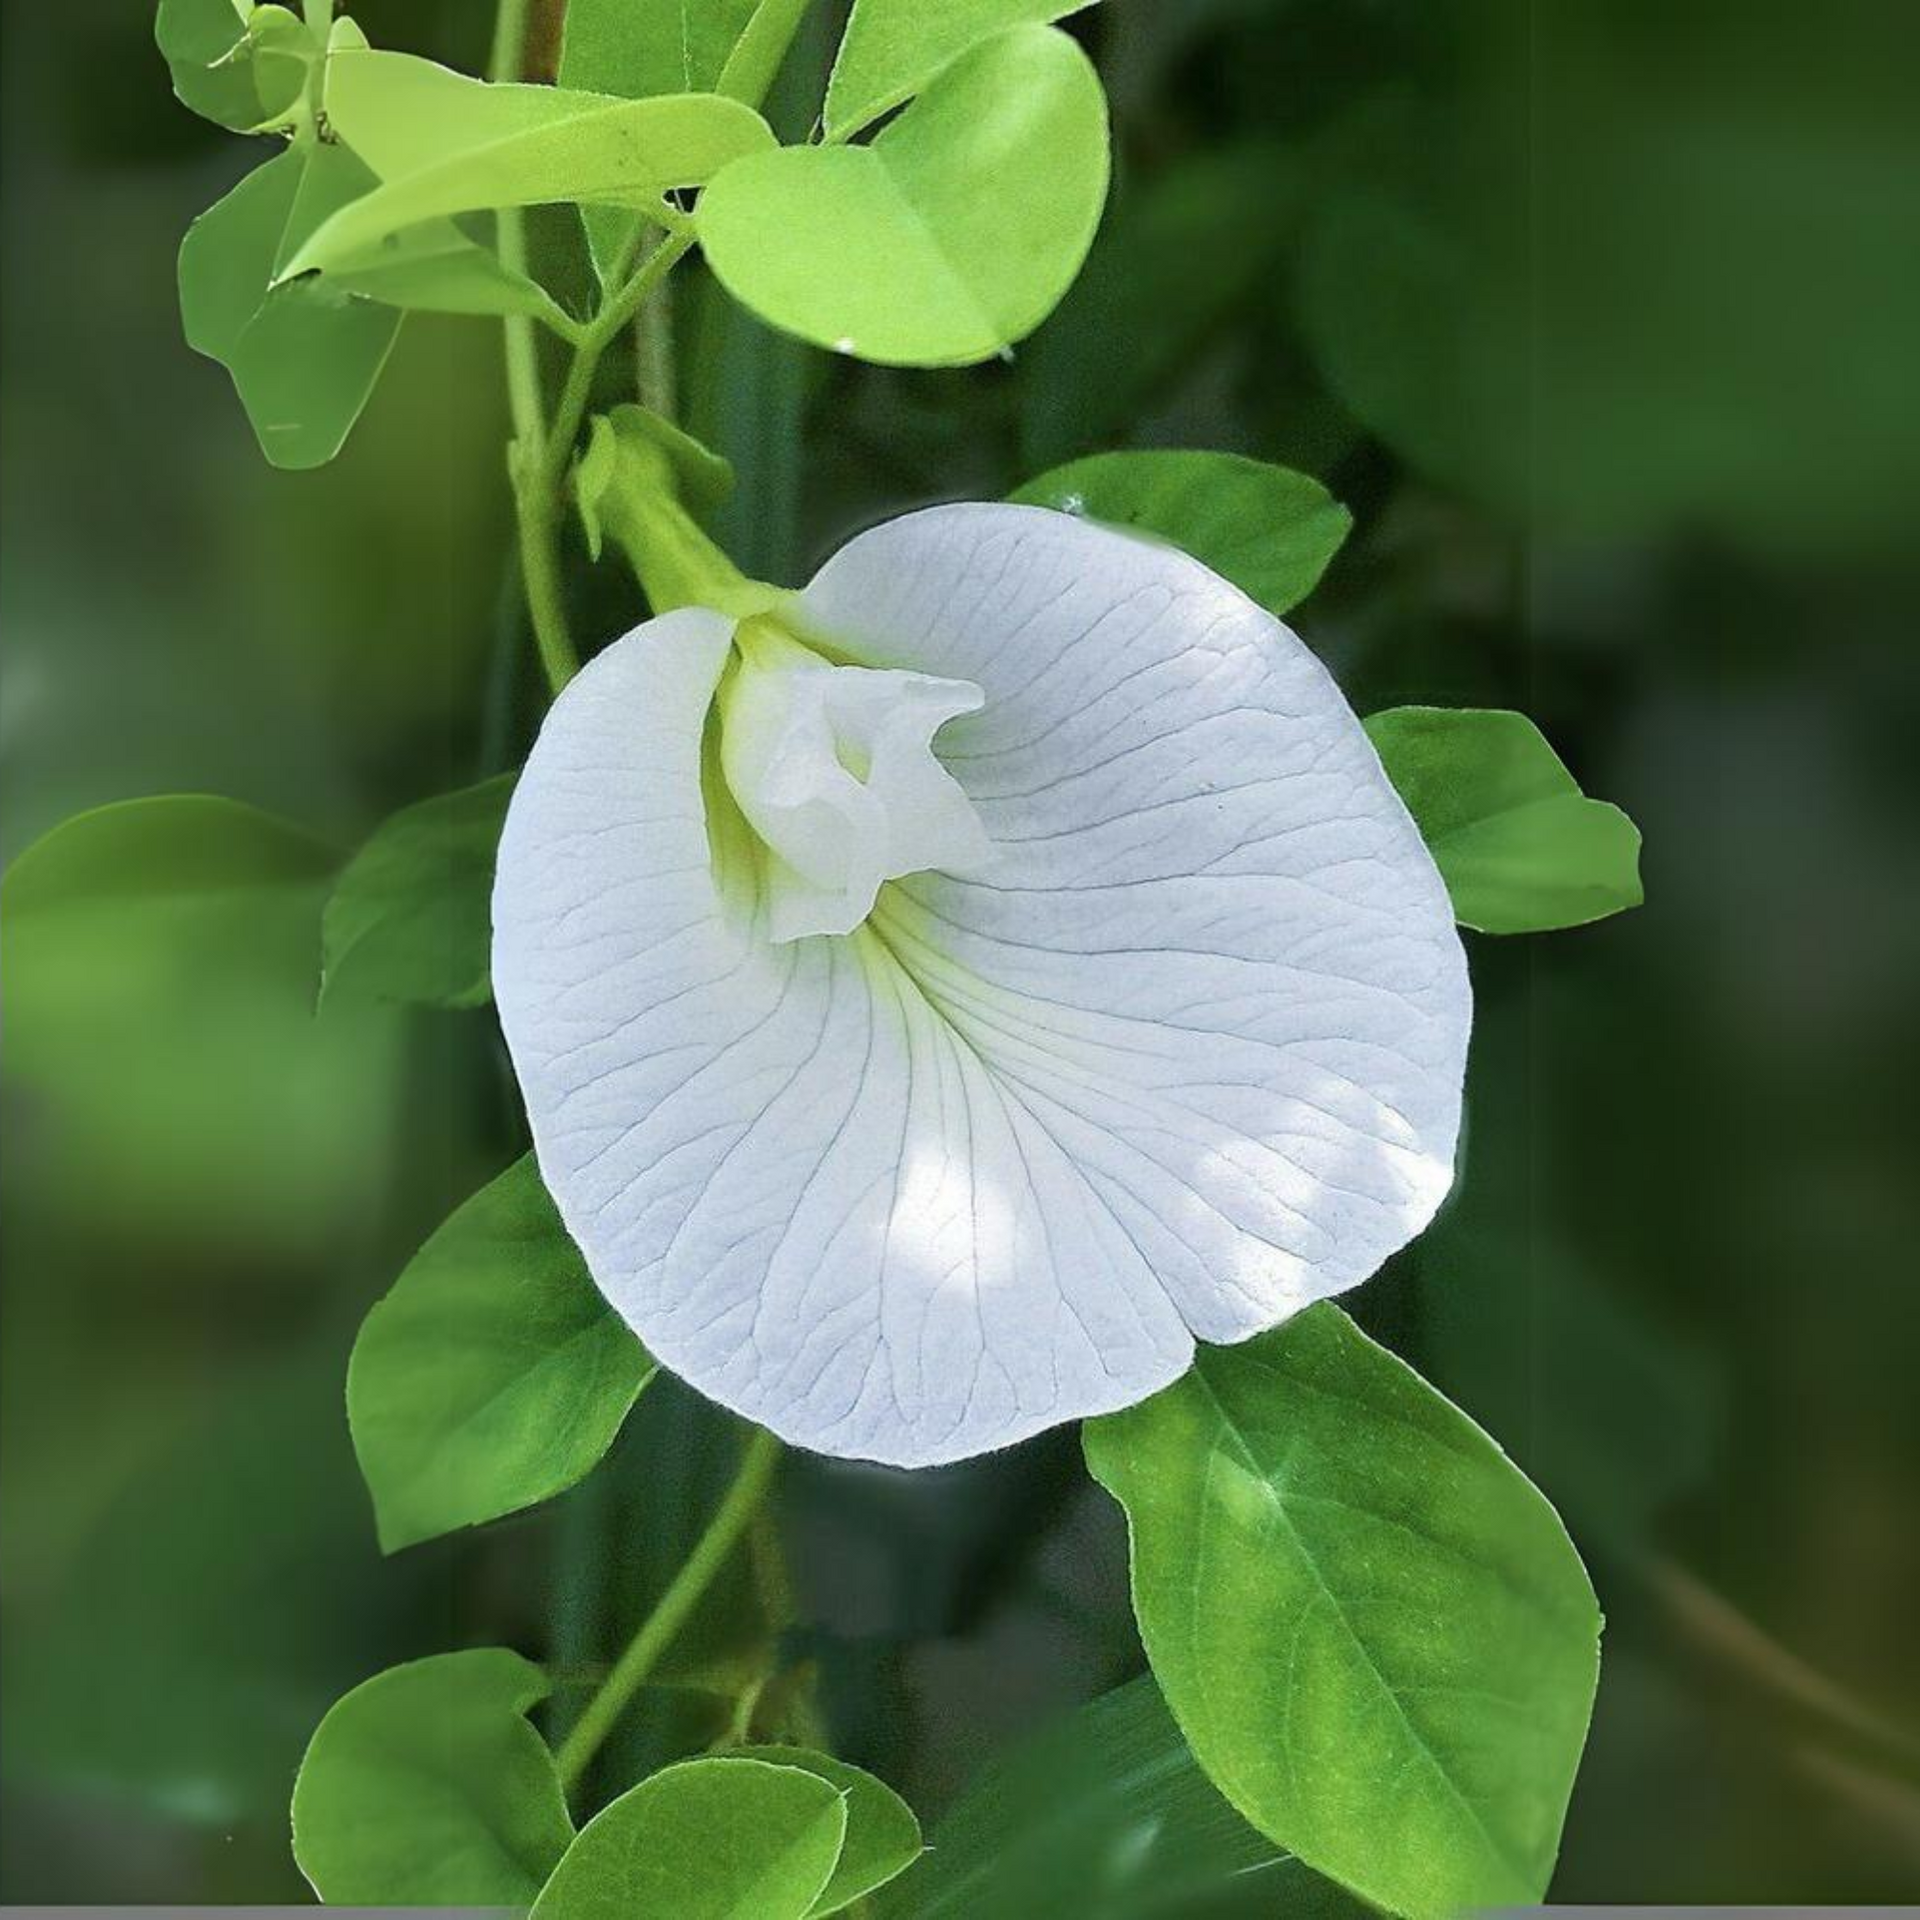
[
  {"x": 409, "y": 918},
  {"x": 436, "y": 268},
  {"x": 948, "y": 237},
  {"x": 1106, "y": 1811},
  {"x": 713, "y": 1839},
  {"x": 1521, "y": 849},
  {"x": 1372, "y": 1629},
  {"x": 892, "y": 48},
  {"x": 235, "y": 64},
  {"x": 493, "y": 1375},
  {"x": 303, "y": 359},
  {"x": 442, "y": 143},
  {"x": 1269, "y": 530},
  {"x": 425, "y": 1786},
  {"x": 612, "y": 46},
  {"x": 883, "y": 1837},
  {"x": 632, "y": 448}
]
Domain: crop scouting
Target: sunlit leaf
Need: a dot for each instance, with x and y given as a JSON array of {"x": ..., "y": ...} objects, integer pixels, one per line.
[
  {"x": 408, "y": 919},
  {"x": 494, "y": 1375},
  {"x": 1269, "y": 530},
  {"x": 1522, "y": 850},
  {"x": 425, "y": 1786},
  {"x": 1372, "y": 1629},
  {"x": 715, "y": 1839},
  {"x": 948, "y": 237},
  {"x": 303, "y": 358},
  {"x": 883, "y": 1837},
  {"x": 614, "y": 46},
  {"x": 1106, "y": 1812},
  {"x": 892, "y": 48},
  {"x": 437, "y": 268},
  {"x": 442, "y": 143},
  {"x": 241, "y": 66}
]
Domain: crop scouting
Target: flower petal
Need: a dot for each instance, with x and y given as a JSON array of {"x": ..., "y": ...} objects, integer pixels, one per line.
[{"x": 1182, "y": 1055}]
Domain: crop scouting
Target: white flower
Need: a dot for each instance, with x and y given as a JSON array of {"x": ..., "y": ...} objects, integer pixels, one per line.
[{"x": 991, "y": 973}]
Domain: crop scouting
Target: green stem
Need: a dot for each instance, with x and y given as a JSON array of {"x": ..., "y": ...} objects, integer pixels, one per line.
[
  {"x": 535, "y": 510},
  {"x": 737, "y": 1507}
]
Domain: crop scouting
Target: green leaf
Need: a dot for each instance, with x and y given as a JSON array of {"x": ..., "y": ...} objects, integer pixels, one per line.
[
  {"x": 425, "y": 1786},
  {"x": 948, "y": 237},
  {"x": 436, "y": 268},
  {"x": 1372, "y": 1629},
  {"x": 235, "y": 64},
  {"x": 613, "y": 46},
  {"x": 494, "y": 1374},
  {"x": 1106, "y": 1811},
  {"x": 892, "y": 48},
  {"x": 883, "y": 1837},
  {"x": 410, "y": 919},
  {"x": 632, "y": 447},
  {"x": 1519, "y": 846},
  {"x": 706, "y": 1840},
  {"x": 442, "y": 143},
  {"x": 303, "y": 359},
  {"x": 1269, "y": 530}
]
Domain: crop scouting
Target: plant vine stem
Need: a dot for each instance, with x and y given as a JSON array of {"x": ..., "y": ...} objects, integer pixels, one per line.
[{"x": 730, "y": 1520}]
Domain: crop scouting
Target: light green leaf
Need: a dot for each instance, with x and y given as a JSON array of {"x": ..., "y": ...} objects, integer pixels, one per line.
[
  {"x": 883, "y": 1837},
  {"x": 235, "y": 64},
  {"x": 410, "y": 918},
  {"x": 948, "y": 237},
  {"x": 614, "y": 46},
  {"x": 1519, "y": 846},
  {"x": 1372, "y": 1629},
  {"x": 426, "y": 1787},
  {"x": 436, "y": 268},
  {"x": 706, "y": 1840},
  {"x": 303, "y": 359},
  {"x": 1269, "y": 530},
  {"x": 494, "y": 1375},
  {"x": 442, "y": 143},
  {"x": 633, "y": 447},
  {"x": 1106, "y": 1812},
  {"x": 892, "y": 48}
]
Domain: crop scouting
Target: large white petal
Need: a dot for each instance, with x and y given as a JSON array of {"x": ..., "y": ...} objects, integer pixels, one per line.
[{"x": 1184, "y": 1055}]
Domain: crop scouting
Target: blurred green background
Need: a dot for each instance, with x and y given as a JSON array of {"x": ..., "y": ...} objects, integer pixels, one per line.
[{"x": 1604, "y": 317}]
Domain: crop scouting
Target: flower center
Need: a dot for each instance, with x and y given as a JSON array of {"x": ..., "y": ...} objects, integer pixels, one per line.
[{"x": 833, "y": 767}]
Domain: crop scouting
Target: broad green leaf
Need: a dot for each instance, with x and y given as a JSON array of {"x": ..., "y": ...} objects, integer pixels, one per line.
[
  {"x": 409, "y": 919},
  {"x": 1105, "y": 1812},
  {"x": 1521, "y": 849},
  {"x": 705, "y": 1840},
  {"x": 493, "y": 1375},
  {"x": 883, "y": 1837},
  {"x": 1372, "y": 1629},
  {"x": 241, "y": 66},
  {"x": 892, "y": 48},
  {"x": 442, "y": 143},
  {"x": 615, "y": 46},
  {"x": 1269, "y": 530},
  {"x": 426, "y": 1787},
  {"x": 948, "y": 237},
  {"x": 436, "y": 268},
  {"x": 303, "y": 358}
]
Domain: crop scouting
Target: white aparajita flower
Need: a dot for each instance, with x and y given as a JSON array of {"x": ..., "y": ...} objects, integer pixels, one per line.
[{"x": 942, "y": 1001}]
